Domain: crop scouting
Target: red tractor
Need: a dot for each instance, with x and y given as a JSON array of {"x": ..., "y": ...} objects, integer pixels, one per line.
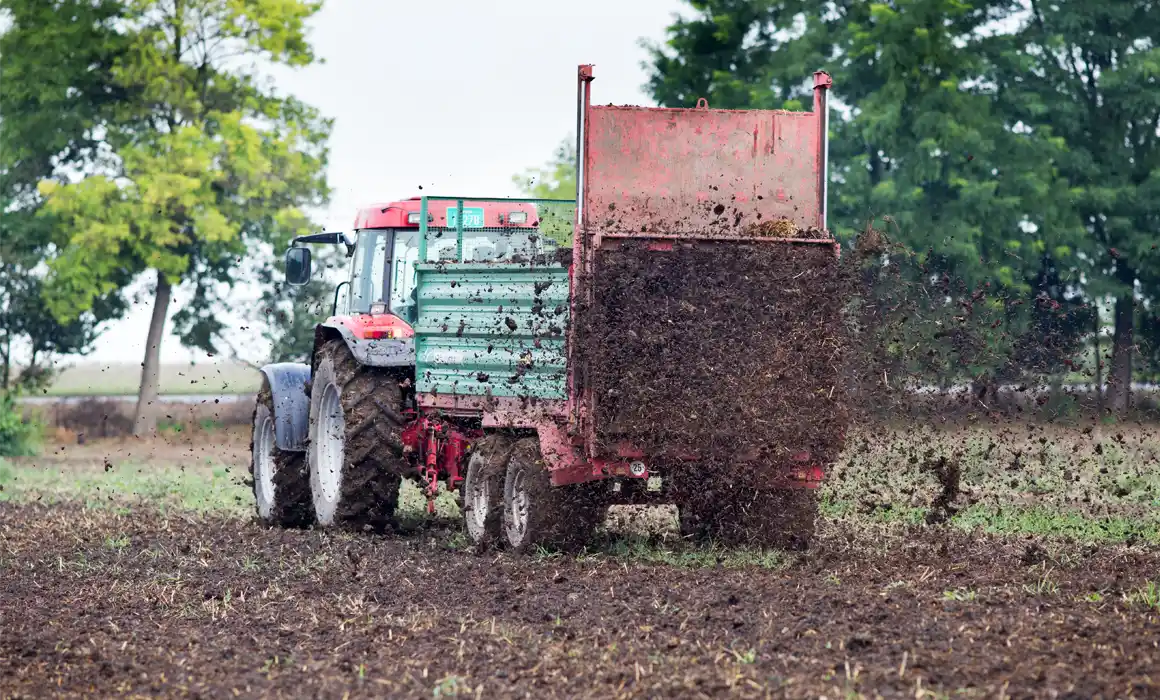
[{"x": 465, "y": 350}]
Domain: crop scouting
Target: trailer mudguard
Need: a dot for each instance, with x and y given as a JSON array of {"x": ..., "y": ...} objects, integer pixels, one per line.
[
  {"x": 382, "y": 352},
  {"x": 287, "y": 382}
]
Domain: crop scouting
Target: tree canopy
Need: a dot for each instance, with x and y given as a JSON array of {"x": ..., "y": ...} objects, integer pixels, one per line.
[
  {"x": 1009, "y": 145},
  {"x": 185, "y": 162},
  {"x": 55, "y": 89}
]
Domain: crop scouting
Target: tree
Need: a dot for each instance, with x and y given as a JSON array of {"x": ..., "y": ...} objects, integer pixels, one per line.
[
  {"x": 291, "y": 314},
  {"x": 206, "y": 164},
  {"x": 919, "y": 136},
  {"x": 24, "y": 320},
  {"x": 1086, "y": 74},
  {"x": 554, "y": 180},
  {"x": 56, "y": 87}
]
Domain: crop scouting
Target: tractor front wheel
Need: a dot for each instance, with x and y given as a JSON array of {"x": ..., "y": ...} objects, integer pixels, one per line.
[
  {"x": 537, "y": 514},
  {"x": 281, "y": 480},
  {"x": 356, "y": 450}
]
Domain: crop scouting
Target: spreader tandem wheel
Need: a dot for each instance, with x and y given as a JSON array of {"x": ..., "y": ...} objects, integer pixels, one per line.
[
  {"x": 356, "y": 461},
  {"x": 482, "y": 492},
  {"x": 537, "y": 514},
  {"x": 777, "y": 518},
  {"x": 281, "y": 480}
]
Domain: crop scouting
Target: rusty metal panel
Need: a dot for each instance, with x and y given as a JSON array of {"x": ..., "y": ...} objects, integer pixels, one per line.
[{"x": 702, "y": 172}]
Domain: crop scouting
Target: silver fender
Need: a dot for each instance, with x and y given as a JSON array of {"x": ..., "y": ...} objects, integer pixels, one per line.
[{"x": 287, "y": 382}]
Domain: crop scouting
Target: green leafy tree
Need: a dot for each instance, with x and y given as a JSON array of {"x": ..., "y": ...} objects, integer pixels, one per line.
[
  {"x": 921, "y": 143},
  {"x": 1086, "y": 74},
  {"x": 554, "y": 180},
  {"x": 56, "y": 88},
  {"x": 25, "y": 323},
  {"x": 206, "y": 164},
  {"x": 290, "y": 314}
]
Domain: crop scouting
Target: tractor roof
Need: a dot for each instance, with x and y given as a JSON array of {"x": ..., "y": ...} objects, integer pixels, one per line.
[{"x": 394, "y": 214}]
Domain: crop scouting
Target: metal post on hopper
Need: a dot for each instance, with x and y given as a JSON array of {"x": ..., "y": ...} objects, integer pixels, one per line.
[{"x": 822, "y": 84}]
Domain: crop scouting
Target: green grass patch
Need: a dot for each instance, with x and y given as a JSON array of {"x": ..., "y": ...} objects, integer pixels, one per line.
[
  {"x": 1013, "y": 520},
  {"x": 1146, "y": 597},
  {"x": 200, "y": 488},
  {"x": 103, "y": 379},
  {"x": 1091, "y": 483},
  {"x": 962, "y": 595}
]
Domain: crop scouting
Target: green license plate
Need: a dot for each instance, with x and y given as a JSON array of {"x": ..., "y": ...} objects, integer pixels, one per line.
[{"x": 472, "y": 217}]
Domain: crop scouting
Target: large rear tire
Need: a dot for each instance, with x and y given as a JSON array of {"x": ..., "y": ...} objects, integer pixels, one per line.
[
  {"x": 356, "y": 450},
  {"x": 281, "y": 479},
  {"x": 537, "y": 514}
]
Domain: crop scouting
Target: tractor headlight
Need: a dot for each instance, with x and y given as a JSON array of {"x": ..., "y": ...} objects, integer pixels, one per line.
[
  {"x": 518, "y": 217},
  {"x": 413, "y": 217}
]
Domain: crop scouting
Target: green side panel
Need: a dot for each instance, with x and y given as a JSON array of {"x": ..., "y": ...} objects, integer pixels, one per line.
[{"x": 478, "y": 327}]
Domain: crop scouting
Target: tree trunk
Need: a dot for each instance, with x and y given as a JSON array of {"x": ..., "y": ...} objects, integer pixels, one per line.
[
  {"x": 1120, "y": 373},
  {"x": 145, "y": 421},
  {"x": 5, "y": 362},
  {"x": 1099, "y": 363}
]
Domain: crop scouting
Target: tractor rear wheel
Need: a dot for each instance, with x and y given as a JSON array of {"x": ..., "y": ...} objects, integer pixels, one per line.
[
  {"x": 281, "y": 479},
  {"x": 537, "y": 514},
  {"x": 482, "y": 491},
  {"x": 356, "y": 450}
]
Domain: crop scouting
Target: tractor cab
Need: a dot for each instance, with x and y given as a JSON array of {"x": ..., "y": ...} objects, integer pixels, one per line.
[{"x": 387, "y": 246}]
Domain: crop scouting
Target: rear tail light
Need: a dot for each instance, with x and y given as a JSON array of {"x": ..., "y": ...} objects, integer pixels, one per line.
[{"x": 388, "y": 333}]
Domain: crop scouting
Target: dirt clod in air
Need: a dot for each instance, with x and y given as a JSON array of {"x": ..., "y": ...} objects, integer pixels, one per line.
[{"x": 948, "y": 473}]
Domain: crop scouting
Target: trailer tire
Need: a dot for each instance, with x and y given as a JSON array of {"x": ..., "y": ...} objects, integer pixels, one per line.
[
  {"x": 280, "y": 478},
  {"x": 778, "y": 519},
  {"x": 537, "y": 514},
  {"x": 481, "y": 498},
  {"x": 797, "y": 518},
  {"x": 739, "y": 516},
  {"x": 356, "y": 450}
]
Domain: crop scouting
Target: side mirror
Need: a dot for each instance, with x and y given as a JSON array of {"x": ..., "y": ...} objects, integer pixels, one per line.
[{"x": 298, "y": 266}]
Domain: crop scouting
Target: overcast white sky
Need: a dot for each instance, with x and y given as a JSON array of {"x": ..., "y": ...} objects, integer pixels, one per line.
[{"x": 453, "y": 95}]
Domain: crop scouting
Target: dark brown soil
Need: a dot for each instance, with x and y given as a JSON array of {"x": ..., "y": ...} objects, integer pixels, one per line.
[{"x": 99, "y": 604}]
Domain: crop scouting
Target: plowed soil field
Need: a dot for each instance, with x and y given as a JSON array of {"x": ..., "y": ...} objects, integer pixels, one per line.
[
  {"x": 133, "y": 569},
  {"x": 137, "y": 602}
]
